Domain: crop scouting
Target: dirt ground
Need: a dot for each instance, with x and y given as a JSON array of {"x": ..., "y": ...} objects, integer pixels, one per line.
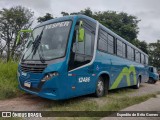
[{"x": 29, "y": 102}]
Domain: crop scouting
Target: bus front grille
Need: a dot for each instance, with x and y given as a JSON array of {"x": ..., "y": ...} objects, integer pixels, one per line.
[{"x": 35, "y": 68}]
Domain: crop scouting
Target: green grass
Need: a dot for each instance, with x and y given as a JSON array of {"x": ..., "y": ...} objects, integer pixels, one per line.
[
  {"x": 8, "y": 80},
  {"x": 123, "y": 102},
  {"x": 112, "y": 102},
  {"x": 16, "y": 118},
  {"x": 115, "y": 101}
]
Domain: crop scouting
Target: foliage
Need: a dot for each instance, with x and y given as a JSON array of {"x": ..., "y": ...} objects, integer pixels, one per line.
[
  {"x": 8, "y": 80},
  {"x": 154, "y": 54},
  {"x": 64, "y": 13},
  {"x": 13, "y": 20},
  {"x": 121, "y": 23},
  {"x": 48, "y": 16},
  {"x": 141, "y": 45}
]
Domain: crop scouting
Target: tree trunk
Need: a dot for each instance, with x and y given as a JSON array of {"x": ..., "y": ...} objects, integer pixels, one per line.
[
  {"x": 1, "y": 52},
  {"x": 8, "y": 51},
  {"x": 14, "y": 46}
]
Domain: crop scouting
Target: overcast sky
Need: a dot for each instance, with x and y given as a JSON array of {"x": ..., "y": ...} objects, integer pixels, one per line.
[{"x": 148, "y": 11}]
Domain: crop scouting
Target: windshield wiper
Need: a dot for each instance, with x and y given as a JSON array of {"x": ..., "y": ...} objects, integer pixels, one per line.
[
  {"x": 41, "y": 54},
  {"x": 36, "y": 43},
  {"x": 35, "y": 46}
]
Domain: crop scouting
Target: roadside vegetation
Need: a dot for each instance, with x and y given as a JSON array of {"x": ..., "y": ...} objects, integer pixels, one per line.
[
  {"x": 115, "y": 101},
  {"x": 8, "y": 80}
]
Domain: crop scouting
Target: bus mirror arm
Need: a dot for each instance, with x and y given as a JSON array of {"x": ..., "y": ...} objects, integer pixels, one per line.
[{"x": 18, "y": 36}]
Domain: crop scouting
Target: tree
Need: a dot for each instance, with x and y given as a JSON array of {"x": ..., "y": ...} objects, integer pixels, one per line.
[
  {"x": 64, "y": 13},
  {"x": 121, "y": 23},
  {"x": 48, "y": 16},
  {"x": 13, "y": 20},
  {"x": 143, "y": 46},
  {"x": 154, "y": 54},
  {"x": 87, "y": 12}
]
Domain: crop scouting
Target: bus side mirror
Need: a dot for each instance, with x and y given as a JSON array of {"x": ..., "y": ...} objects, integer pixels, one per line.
[
  {"x": 81, "y": 32},
  {"x": 18, "y": 36}
]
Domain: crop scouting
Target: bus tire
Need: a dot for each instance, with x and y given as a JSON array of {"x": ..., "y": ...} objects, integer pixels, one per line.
[
  {"x": 100, "y": 90},
  {"x": 137, "y": 86}
]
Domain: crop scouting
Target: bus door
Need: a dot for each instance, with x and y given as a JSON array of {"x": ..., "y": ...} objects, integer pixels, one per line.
[{"x": 80, "y": 73}]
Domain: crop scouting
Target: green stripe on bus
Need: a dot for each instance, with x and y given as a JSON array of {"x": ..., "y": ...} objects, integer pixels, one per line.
[{"x": 125, "y": 72}]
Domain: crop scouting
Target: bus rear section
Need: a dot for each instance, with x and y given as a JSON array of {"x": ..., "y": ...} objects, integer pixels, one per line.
[{"x": 120, "y": 61}]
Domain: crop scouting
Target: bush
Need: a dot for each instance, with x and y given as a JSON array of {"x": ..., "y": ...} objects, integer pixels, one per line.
[{"x": 8, "y": 80}]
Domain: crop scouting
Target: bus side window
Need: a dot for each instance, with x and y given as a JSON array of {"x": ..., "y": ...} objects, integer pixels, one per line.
[
  {"x": 146, "y": 60},
  {"x": 103, "y": 41},
  {"x": 132, "y": 54},
  {"x": 129, "y": 52},
  {"x": 142, "y": 59},
  {"x": 137, "y": 54},
  {"x": 110, "y": 44},
  {"x": 119, "y": 48},
  {"x": 124, "y": 53}
]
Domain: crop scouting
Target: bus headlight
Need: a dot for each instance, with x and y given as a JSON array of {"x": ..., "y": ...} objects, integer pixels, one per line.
[{"x": 49, "y": 76}]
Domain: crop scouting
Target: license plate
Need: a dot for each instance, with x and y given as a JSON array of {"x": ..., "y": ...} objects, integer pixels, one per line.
[
  {"x": 23, "y": 74},
  {"x": 27, "y": 84}
]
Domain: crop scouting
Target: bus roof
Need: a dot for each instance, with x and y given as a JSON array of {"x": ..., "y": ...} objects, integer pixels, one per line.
[{"x": 72, "y": 17}]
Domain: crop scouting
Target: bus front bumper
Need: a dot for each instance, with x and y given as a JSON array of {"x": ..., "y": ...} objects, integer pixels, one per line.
[{"x": 44, "y": 94}]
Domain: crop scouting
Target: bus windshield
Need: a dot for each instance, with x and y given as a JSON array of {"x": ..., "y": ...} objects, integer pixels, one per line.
[{"x": 50, "y": 41}]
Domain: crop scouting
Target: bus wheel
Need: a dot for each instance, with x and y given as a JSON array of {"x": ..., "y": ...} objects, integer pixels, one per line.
[
  {"x": 100, "y": 88},
  {"x": 137, "y": 86}
]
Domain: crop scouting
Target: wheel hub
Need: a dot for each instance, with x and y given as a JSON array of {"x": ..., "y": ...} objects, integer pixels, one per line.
[{"x": 100, "y": 87}]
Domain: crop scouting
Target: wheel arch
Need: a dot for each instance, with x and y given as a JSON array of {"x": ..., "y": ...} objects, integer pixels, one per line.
[
  {"x": 105, "y": 76},
  {"x": 140, "y": 76}
]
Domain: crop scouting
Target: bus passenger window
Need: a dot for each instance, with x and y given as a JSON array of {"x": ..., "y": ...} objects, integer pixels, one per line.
[
  {"x": 142, "y": 59},
  {"x": 132, "y": 54},
  {"x": 124, "y": 50},
  {"x": 137, "y": 55},
  {"x": 110, "y": 44},
  {"x": 119, "y": 48},
  {"x": 146, "y": 60},
  {"x": 129, "y": 52},
  {"x": 102, "y": 41}
]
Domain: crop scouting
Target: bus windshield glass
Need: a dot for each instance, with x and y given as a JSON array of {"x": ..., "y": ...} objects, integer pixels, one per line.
[{"x": 49, "y": 42}]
